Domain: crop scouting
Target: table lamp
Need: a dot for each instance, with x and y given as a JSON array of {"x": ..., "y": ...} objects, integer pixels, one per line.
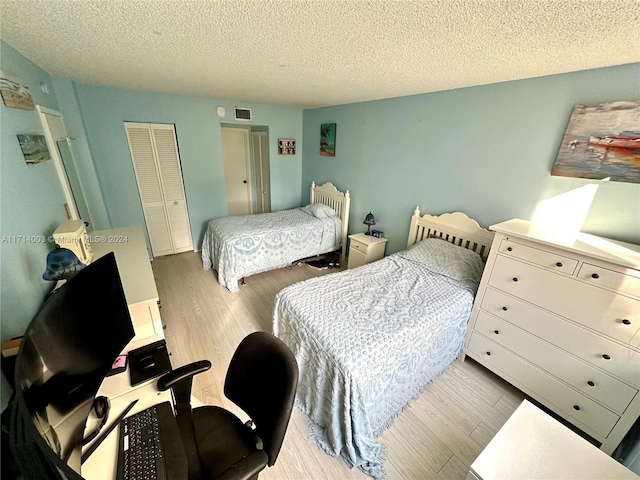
[{"x": 368, "y": 221}]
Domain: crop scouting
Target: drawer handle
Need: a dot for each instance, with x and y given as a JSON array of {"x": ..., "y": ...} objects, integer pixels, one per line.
[
  {"x": 497, "y": 332},
  {"x": 505, "y": 308},
  {"x": 509, "y": 249},
  {"x": 559, "y": 264},
  {"x": 591, "y": 384},
  {"x": 576, "y": 407},
  {"x": 626, "y": 322},
  {"x": 595, "y": 275},
  {"x": 488, "y": 353},
  {"x": 515, "y": 279},
  {"x": 606, "y": 357}
]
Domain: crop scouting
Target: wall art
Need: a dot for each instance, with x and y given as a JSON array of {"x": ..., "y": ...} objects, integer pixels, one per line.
[
  {"x": 602, "y": 141},
  {"x": 286, "y": 146},
  {"x": 15, "y": 95},
  {"x": 34, "y": 148},
  {"x": 328, "y": 139}
]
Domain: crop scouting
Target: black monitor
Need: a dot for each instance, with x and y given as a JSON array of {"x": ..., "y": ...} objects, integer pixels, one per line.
[{"x": 66, "y": 351}]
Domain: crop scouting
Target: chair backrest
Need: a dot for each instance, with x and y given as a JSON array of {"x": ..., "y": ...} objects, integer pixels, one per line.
[{"x": 262, "y": 379}]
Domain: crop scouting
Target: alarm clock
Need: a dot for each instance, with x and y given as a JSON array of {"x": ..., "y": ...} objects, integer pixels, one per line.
[{"x": 377, "y": 233}]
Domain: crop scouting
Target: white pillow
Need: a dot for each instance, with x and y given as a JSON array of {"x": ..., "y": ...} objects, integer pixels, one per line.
[
  {"x": 447, "y": 259},
  {"x": 320, "y": 210}
]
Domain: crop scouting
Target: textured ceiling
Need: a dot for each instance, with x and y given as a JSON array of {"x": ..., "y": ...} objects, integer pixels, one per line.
[{"x": 318, "y": 53}]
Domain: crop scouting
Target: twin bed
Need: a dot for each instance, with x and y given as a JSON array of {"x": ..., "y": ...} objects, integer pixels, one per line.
[
  {"x": 369, "y": 340},
  {"x": 240, "y": 246}
]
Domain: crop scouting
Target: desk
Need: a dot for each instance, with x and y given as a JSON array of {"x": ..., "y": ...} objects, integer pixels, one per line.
[
  {"x": 136, "y": 275},
  {"x": 130, "y": 248},
  {"x": 103, "y": 463},
  {"x": 533, "y": 445}
]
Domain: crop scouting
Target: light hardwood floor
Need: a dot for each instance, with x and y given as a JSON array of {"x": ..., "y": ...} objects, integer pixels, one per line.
[{"x": 437, "y": 437}]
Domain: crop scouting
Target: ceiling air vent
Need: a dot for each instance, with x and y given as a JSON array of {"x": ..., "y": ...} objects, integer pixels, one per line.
[{"x": 243, "y": 114}]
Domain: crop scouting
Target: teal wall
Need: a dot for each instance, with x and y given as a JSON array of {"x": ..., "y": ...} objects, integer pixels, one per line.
[
  {"x": 198, "y": 130},
  {"x": 487, "y": 151},
  {"x": 31, "y": 200}
]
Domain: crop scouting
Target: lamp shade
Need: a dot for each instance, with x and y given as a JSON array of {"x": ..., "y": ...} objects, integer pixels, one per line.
[{"x": 369, "y": 219}]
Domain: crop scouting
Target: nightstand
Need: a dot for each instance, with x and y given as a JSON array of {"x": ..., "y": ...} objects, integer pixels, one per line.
[{"x": 365, "y": 249}]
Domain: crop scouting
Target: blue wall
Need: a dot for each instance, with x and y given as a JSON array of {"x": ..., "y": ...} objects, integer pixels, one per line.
[
  {"x": 198, "y": 130},
  {"x": 487, "y": 151},
  {"x": 32, "y": 204}
]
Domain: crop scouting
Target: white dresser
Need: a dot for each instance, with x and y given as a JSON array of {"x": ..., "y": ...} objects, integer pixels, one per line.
[{"x": 558, "y": 316}]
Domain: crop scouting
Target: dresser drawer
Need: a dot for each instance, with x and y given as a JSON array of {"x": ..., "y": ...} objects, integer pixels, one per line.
[
  {"x": 580, "y": 375},
  {"x": 545, "y": 259},
  {"x": 571, "y": 404},
  {"x": 586, "y": 344},
  {"x": 611, "y": 314},
  {"x": 627, "y": 282}
]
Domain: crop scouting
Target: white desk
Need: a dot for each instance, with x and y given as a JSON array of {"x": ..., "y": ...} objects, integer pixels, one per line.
[
  {"x": 136, "y": 275},
  {"x": 130, "y": 248},
  {"x": 533, "y": 445},
  {"x": 102, "y": 464}
]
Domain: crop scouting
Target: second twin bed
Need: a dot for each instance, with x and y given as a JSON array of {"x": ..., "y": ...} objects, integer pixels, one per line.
[{"x": 368, "y": 340}]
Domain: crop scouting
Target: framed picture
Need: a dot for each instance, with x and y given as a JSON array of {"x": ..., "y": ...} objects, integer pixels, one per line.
[
  {"x": 14, "y": 94},
  {"x": 286, "y": 146},
  {"x": 34, "y": 148},
  {"x": 328, "y": 139},
  {"x": 602, "y": 141}
]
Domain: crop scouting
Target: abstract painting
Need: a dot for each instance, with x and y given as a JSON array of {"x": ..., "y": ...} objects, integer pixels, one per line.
[
  {"x": 602, "y": 141},
  {"x": 328, "y": 139},
  {"x": 34, "y": 148}
]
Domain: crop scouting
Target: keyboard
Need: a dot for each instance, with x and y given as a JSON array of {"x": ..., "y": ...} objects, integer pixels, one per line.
[{"x": 150, "y": 446}]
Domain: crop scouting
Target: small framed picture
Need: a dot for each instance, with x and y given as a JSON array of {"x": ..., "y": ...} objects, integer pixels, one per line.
[
  {"x": 286, "y": 146},
  {"x": 34, "y": 148}
]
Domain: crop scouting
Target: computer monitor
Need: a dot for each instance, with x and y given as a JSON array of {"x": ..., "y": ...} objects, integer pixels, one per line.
[{"x": 66, "y": 351}]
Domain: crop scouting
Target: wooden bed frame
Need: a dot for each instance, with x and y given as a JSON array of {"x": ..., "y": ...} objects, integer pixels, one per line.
[
  {"x": 456, "y": 228},
  {"x": 329, "y": 195}
]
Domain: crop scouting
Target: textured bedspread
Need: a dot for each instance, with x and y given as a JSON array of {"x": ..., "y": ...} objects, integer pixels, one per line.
[
  {"x": 368, "y": 341},
  {"x": 240, "y": 246}
]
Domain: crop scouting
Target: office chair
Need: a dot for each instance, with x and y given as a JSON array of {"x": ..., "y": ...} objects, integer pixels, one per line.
[{"x": 261, "y": 379}]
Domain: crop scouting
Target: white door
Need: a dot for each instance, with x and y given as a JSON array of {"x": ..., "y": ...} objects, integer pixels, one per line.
[
  {"x": 156, "y": 162},
  {"x": 237, "y": 171},
  {"x": 59, "y": 146},
  {"x": 260, "y": 144}
]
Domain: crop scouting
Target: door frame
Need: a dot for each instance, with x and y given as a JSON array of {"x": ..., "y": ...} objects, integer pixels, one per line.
[{"x": 57, "y": 160}]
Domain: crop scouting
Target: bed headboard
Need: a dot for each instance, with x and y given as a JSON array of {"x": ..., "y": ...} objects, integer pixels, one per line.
[
  {"x": 455, "y": 228},
  {"x": 328, "y": 194}
]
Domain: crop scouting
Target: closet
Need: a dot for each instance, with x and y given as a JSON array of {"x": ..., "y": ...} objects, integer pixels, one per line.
[{"x": 156, "y": 162}]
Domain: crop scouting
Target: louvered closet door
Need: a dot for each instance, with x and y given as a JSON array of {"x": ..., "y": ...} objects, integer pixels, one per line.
[
  {"x": 157, "y": 168},
  {"x": 166, "y": 145}
]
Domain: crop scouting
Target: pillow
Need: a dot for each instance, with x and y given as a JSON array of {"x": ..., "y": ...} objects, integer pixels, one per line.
[
  {"x": 320, "y": 210},
  {"x": 444, "y": 258}
]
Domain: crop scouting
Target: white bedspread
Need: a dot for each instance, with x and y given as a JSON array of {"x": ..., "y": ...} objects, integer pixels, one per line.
[
  {"x": 244, "y": 245},
  {"x": 369, "y": 340}
]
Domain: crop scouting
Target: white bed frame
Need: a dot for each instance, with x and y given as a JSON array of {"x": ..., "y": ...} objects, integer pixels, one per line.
[
  {"x": 329, "y": 195},
  {"x": 456, "y": 228}
]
